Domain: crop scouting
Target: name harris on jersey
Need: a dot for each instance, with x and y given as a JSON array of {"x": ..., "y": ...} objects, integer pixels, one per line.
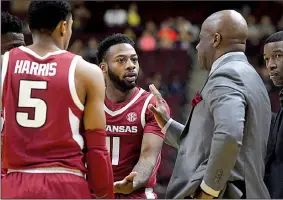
[
  {"x": 34, "y": 68},
  {"x": 121, "y": 129}
]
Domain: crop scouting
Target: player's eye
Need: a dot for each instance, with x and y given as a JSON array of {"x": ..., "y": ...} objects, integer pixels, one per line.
[
  {"x": 134, "y": 60},
  {"x": 122, "y": 60},
  {"x": 266, "y": 59},
  {"x": 277, "y": 56}
]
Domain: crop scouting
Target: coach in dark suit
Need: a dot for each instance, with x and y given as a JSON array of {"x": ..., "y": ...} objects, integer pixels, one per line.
[
  {"x": 221, "y": 148},
  {"x": 273, "y": 56}
]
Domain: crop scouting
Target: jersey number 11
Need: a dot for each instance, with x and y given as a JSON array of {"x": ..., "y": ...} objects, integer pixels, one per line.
[{"x": 115, "y": 148}]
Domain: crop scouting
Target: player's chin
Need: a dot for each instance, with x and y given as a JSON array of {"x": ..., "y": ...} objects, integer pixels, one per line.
[{"x": 131, "y": 84}]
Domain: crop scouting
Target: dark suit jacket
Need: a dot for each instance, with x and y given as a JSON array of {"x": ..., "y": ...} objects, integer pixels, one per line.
[{"x": 274, "y": 159}]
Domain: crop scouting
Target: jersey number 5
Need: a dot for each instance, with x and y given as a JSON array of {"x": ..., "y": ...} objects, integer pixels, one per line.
[
  {"x": 115, "y": 148},
  {"x": 26, "y": 101}
]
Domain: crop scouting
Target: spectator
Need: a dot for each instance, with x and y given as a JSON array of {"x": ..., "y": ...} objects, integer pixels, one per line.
[
  {"x": 151, "y": 27},
  {"x": 185, "y": 39},
  {"x": 130, "y": 33},
  {"x": 81, "y": 16},
  {"x": 91, "y": 50},
  {"x": 167, "y": 33},
  {"x": 115, "y": 17},
  {"x": 176, "y": 87},
  {"x": 266, "y": 26},
  {"x": 156, "y": 79},
  {"x": 134, "y": 19},
  {"x": 280, "y": 24},
  {"x": 77, "y": 47},
  {"x": 147, "y": 42},
  {"x": 166, "y": 41},
  {"x": 254, "y": 30}
]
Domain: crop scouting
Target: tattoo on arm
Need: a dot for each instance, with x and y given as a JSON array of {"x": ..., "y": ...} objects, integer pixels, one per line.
[{"x": 144, "y": 169}]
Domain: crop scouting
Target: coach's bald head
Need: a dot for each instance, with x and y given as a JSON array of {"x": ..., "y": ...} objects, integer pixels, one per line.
[{"x": 222, "y": 32}]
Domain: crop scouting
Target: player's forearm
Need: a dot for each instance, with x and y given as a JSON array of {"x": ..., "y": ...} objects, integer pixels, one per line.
[
  {"x": 100, "y": 175},
  {"x": 144, "y": 169}
]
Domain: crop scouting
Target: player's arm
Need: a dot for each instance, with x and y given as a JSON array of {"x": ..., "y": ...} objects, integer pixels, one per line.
[
  {"x": 3, "y": 171},
  {"x": 150, "y": 151},
  {"x": 100, "y": 175}
]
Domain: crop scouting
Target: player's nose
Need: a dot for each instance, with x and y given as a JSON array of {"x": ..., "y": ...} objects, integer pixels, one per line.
[{"x": 131, "y": 65}]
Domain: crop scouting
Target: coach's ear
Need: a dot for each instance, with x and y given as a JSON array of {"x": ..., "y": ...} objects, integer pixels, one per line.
[
  {"x": 217, "y": 40},
  {"x": 104, "y": 67}
]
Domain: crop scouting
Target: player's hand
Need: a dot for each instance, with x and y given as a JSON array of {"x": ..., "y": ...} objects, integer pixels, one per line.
[
  {"x": 160, "y": 112},
  {"x": 125, "y": 186}
]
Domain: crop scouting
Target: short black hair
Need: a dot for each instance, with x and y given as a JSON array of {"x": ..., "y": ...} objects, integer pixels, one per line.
[
  {"x": 10, "y": 23},
  {"x": 110, "y": 41},
  {"x": 46, "y": 15},
  {"x": 275, "y": 37}
]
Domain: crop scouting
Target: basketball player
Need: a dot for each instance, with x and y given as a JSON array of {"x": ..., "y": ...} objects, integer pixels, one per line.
[
  {"x": 11, "y": 32},
  {"x": 134, "y": 138},
  {"x": 47, "y": 93},
  {"x": 11, "y": 36}
]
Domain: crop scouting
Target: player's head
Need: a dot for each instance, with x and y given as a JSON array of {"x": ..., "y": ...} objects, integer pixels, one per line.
[
  {"x": 222, "y": 32},
  {"x": 51, "y": 18},
  {"x": 118, "y": 60},
  {"x": 11, "y": 32},
  {"x": 273, "y": 56}
]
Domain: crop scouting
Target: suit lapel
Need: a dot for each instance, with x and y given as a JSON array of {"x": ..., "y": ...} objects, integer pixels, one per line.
[{"x": 226, "y": 60}]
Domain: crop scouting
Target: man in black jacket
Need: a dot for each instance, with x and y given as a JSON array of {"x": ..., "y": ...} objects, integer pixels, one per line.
[{"x": 273, "y": 56}]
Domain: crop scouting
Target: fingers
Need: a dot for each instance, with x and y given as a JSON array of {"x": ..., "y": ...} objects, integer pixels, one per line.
[
  {"x": 117, "y": 186},
  {"x": 118, "y": 183},
  {"x": 153, "y": 109},
  {"x": 131, "y": 176},
  {"x": 156, "y": 93}
]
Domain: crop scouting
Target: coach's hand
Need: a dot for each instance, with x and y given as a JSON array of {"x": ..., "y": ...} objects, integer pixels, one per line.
[
  {"x": 160, "y": 112},
  {"x": 125, "y": 186}
]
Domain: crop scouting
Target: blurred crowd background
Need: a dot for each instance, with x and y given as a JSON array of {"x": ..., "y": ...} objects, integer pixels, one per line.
[{"x": 166, "y": 34}]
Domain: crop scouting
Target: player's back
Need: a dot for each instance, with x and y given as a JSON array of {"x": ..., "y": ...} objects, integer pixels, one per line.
[{"x": 42, "y": 112}]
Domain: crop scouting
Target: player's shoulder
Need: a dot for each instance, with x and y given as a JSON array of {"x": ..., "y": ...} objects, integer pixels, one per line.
[
  {"x": 89, "y": 73},
  {"x": 88, "y": 68}
]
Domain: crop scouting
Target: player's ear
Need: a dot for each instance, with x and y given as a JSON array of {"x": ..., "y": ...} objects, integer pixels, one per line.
[
  {"x": 104, "y": 67},
  {"x": 216, "y": 39},
  {"x": 62, "y": 27}
]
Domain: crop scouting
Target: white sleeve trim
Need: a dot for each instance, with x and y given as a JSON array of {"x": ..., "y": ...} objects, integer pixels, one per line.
[
  {"x": 209, "y": 190},
  {"x": 164, "y": 129},
  {"x": 72, "y": 86}
]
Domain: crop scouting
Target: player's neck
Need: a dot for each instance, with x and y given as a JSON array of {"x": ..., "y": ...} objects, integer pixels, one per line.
[
  {"x": 44, "y": 43},
  {"x": 116, "y": 96}
]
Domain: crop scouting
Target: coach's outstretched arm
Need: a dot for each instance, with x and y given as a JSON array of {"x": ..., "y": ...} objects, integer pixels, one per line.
[
  {"x": 100, "y": 174},
  {"x": 170, "y": 127}
]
